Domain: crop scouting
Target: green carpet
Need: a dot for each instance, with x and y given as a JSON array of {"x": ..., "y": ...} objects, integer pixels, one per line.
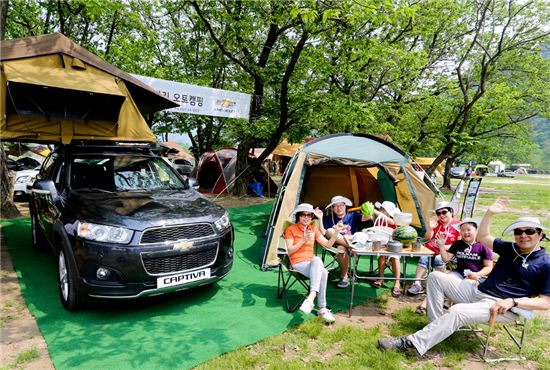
[{"x": 177, "y": 331}]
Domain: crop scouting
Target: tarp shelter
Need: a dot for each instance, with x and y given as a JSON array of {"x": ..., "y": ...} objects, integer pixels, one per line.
[
  {"x": 53, "y": 90},
  {"x": 360, "y": 167},
  {"x": 426, "y": 162},
  {"x": 216, "y": 170},
  {"x": 176, "y": 150}
]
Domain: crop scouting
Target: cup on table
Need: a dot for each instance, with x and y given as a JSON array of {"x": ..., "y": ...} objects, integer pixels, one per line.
[{"x": 376, "y": 245}]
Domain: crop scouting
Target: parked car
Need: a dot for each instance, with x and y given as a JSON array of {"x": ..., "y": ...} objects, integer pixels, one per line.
[
  {"x": 506, "y": 173},
  {"x": 183, "y": 166},
  {"x": 22, "y": 183},
  {"x": 124, "y": 224},
  {"x": 458, "y": 172}
]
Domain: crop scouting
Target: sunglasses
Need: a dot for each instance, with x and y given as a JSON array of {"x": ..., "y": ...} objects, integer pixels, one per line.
[
  {"x": 442, "y": 212},
  {"x": 518, "y": 232},
  {"x": 306, "y": 215}
]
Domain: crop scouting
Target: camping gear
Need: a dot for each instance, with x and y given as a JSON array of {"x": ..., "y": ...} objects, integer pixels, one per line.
[
  {"x": 402, "y": 218},
  {"x": 360, "y": 167},
  {"x": 395, "y": 246},
  {"x": 417, "y": 246},
  {"x": 360, "y": 240},
  {"x": 55, "y": 91},
  {"x": 216, "y": 171},
  {"x": 380, "y": 231}
]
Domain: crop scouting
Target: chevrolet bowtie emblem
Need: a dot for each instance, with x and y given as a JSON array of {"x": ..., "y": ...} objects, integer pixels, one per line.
[
  {"x": 225, "y": 102},
  {"x": 183, "y": 246}
]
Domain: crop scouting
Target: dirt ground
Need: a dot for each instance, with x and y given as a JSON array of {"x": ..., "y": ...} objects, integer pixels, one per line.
[{"x": 20, "y": 334}]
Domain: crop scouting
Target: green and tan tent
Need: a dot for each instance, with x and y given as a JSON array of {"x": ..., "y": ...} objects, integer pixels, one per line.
[
  {"x": 53, "y": 90},
  {"x": 360, "y": 167}
]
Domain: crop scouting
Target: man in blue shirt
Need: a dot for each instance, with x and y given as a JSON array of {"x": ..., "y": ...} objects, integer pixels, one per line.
[{"x": 520, "y": 279}]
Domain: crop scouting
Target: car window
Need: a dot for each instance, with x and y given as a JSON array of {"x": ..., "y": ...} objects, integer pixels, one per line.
[
  {"x": 47, "y": 166},
  {"x": 123, "y": 173}
]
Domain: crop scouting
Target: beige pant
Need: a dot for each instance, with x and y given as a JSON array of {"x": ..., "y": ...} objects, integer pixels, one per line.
[{"x": 471, "y": 307}]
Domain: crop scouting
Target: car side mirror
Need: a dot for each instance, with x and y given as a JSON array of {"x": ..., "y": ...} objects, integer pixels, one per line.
[{"x": 46, "y": 187}]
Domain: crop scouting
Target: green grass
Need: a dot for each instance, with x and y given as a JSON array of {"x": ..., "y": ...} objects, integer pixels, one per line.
[
  {"x": 24, "y": 357},
  {"x": 314, "y": 345}
]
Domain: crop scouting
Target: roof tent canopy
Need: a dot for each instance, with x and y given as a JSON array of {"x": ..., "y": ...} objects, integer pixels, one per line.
[{"x": 53, "y": 90}]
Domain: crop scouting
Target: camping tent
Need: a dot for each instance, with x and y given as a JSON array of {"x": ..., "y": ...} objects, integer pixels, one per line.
[
  {"x": 216, "y": 170},
  {"x": 53, "y": 90},
  {"x": 360, "y": 167}
]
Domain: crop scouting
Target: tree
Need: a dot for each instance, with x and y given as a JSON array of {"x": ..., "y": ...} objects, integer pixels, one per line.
[
  {"x": 502, "y": 34},
  {"x": 7, "y": 207}
]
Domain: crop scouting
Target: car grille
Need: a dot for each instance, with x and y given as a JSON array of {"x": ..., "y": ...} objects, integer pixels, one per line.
[
  {"x": 176, "y": 233},
  {"x": 180, "y": 261}
]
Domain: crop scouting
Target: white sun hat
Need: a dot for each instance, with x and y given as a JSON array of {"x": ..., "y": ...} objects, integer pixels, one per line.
[
  {"x": 304, "y": 207},
  {"x": 339, "y": 199},
  {"x": 388, "y": 206},
  {"x": 451, "y": 205},
  {"x": 470, "y": 220},
  {"x": 524, "y": 222}
]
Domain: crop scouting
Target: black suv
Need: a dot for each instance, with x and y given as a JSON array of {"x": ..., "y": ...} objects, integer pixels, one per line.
[{"x": 124, "y": 224}]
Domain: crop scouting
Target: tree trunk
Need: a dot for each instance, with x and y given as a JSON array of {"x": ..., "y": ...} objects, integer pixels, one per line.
[
  {"x": 4, "y": 4},
  {"x": 7, "y": 206},
  {"x": 447, "y": 174},
  {"x": 244, "y": 169}
]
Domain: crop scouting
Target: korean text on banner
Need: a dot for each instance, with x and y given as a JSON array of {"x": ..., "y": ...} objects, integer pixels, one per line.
[{"x": 200, "y": 100}]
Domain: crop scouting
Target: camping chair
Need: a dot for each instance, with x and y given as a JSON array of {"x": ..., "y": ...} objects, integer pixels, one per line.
[
  {"x": 521, "y": 322},
  {"x": 287, "y": 278}
]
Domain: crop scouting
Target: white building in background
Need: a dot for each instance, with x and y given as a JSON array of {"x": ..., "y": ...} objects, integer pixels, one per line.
[{"x": 496, "y": 166}]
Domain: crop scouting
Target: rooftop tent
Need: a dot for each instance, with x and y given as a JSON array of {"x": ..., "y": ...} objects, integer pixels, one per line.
[
  {"x": 216, "y": 170},
  {"x": 53, "y": 90},
  {"x": 360, "y": 167}
]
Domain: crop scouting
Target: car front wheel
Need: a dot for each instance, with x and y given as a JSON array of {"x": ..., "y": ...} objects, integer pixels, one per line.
[{"x": 66, "y": 278}]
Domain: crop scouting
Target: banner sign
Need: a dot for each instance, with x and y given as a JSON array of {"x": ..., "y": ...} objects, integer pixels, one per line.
[
  {"x": 204, "y": 101},
  {"x": 471, "y": 197}
]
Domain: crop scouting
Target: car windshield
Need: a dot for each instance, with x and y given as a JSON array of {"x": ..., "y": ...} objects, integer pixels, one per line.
[{"x": 123, "y": 173}]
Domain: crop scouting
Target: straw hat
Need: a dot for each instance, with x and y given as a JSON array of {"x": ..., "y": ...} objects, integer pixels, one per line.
[
  {"x": 388, "y": 206},
  {"x": 451, "y": 205},
  {"x": 470, "y": 220},
  {"x": 339, "y": 199},
  {"x": 524, "y": 222}
]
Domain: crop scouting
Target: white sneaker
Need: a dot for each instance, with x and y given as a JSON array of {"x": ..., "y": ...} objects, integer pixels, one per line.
[
  {"x": 326, "y": 315},
  {"x": 307, "y": 306}
]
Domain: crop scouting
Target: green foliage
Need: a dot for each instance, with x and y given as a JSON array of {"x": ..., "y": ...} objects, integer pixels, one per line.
[{"x": 464, "y": 79}]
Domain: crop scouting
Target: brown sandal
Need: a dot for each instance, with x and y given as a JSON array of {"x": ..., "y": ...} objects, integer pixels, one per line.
[
  {"x": 396, "y": 291},
  {"x": 377, "y": 283}
]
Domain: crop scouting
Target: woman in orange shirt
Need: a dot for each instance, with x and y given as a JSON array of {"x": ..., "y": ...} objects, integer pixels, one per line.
[{"x": 300, "y": 238}]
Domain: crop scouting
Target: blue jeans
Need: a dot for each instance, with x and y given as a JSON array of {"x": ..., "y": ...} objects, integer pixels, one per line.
[{"x": 437, "y": 262}]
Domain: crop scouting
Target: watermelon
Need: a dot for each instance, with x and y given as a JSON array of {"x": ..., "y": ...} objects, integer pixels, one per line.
[{"x": 405, "y": 234}]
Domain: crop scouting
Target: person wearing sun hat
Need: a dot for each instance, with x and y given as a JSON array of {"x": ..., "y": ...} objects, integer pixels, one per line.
[
  {"x": 520, "y": 280},
  {"x": 442, "y": 232},
  {"x": 350, "y": 221},
  {"x": 299, "y": 239},
  {"x": 474, "y": 260}
]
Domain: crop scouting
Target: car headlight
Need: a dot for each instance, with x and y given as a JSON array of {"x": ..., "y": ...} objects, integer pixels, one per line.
[
  {"x": 223, "y": 223},
  {"x": 22, "y": 179},
  {"x": 102, "y": 233}
]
